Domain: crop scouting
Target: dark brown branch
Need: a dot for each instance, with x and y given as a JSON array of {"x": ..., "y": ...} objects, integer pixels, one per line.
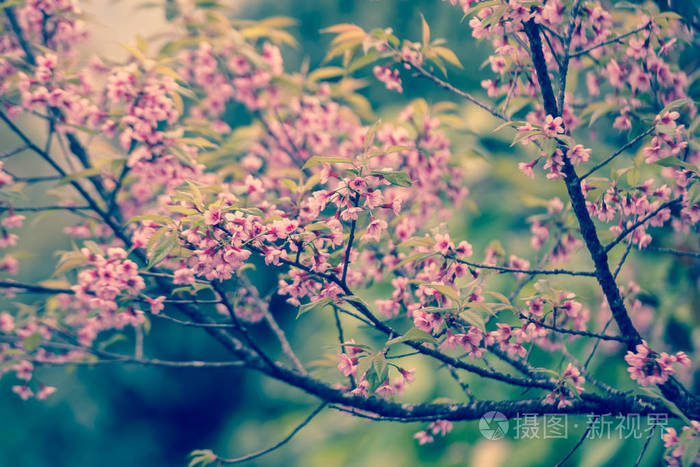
[
  {"x": 33, "y": 287},
  {"x": 564, "y": 66},
  {"x": 351, "y": 239},
  {"x": 672, "y": 390}
]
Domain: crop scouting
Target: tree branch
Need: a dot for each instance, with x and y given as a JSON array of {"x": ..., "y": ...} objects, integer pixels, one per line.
[{"x": 672, "y": 390}]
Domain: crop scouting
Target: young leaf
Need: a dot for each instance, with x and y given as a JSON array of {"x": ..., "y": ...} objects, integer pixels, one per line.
[
  {"x": 316, "y": 160},
  {"x": 306, "y": 307},
  {"x": 425, "y": 30},
  {"x": 399, "y": 178},
  {"x": 380, "y": 366}
]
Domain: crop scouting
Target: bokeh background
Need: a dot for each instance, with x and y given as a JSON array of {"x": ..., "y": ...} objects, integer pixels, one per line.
[{"x": 132, "y": 416}]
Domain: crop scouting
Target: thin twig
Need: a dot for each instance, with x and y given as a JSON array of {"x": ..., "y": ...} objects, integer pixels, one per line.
[
  {"x": 596, "y": 344},
  {"x": 464, "y": 95},
  {"x": 609, "y": 41},
  {"x": 341, "y": 339},
  {"x": 462, "y": 384},
  {"x": 279, "y": 444},
  {"x": 192, "y": 323},
  {"x": 550, "y": 272},
  {"x": 580, "y": 442},
  {"x": 44, "y": 208},
  {"x": 646, "y": 445},
  {"x": 574, "y": 332},
  {"x": 639, "y": 223},
  {"x": 622, "y": 149},
  {"x": 13, "y": 152},
  {"x": 692, "y": 254}
]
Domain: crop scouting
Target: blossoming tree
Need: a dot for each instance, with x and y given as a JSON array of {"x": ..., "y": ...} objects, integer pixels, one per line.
[{"x": 174, "y": 206}]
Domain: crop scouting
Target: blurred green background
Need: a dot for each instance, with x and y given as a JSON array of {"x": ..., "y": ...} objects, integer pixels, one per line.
[{"x": 126, "y": 415}]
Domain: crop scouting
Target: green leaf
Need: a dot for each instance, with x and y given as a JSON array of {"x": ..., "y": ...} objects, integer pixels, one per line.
[
  {"x": 93, "y": 247},
  {"x": 316, "y": 226},
  {"x": 425, "y": 29},
  {"x": 671, "y": 161},
  {"x": 416, "y": 257},
  {"x": 380, "y": 366},
  {"x": 691, "y": 448},
  {"x": 163, "y": 249},
  {"x": 150, "y": 217},
  {"x": 372, "y": 379},
  {"x": 92, "y": 171},
  {"x": 112, "y": 340},
  {"x": 69, "y": 261},
  {"x": 418, "y": 241},
  {"x": 362, "y": 61},
  {"x": 446, "y": 290},
  {"x": 694, "y": 194},
  {"x": 326, "y": 72},
  {"x": 32, "y": 342},
  {"x": 390, "y": 150},
  {"x": 196, "y": 196},
  {"x": 435, "y": 309},
  {"x": 357, "y": 301},
  {"x": 290, "y": 185},
  {"x": 369, "y": 136},
  {"x": 675, "y": 105},
  {"x": 316, "y": 160},
  {"x": 500, "y": 297},
  {"x": 473, "y": 318},
  {"x": 181, "y": 209},
  {"x": 399, "y": 178},
  {"x": 448, "y": 55},
  {"x": 480, "y": 6},
  {"x": 306, "y": 307},
  {"x": 414, "y": 335}
]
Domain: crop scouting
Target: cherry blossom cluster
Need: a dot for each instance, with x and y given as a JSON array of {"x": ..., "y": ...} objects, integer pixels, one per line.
[
  {"x": 99, "y": 287},
  {"x": 649, "y": 367},
  {"x": 570, "y": 383}
]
